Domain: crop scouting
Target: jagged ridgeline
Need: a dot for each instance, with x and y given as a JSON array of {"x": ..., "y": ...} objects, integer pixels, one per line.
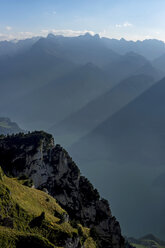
[{"x": 44, "y": 200}]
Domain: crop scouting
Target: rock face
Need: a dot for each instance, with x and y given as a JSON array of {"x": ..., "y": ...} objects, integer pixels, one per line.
[{"x": 52, "y": 169}]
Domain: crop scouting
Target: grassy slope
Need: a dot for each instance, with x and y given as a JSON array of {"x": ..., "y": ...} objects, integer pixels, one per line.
[{"x": 23, "y": 206}]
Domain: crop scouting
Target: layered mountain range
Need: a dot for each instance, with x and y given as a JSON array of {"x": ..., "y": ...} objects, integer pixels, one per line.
[
  {"x": 68, "y": 72},
  {"x": 103, "y": 99}
]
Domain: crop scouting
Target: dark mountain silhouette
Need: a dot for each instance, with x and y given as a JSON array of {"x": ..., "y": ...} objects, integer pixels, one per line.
[
  {"x": 54, "y": 80},
  {"x": 45, "y": 72},
  {"x": 142, "y": 121},
  {"x": 45, "y": 61},
  {"x": 91, "y": 115},
  {"x": 130, "y": 144},
  {"x": 58, "y": 99},
  {"x": 29, "y": 70},
  {"x": 150, "y": 48},
  {"x": 36, "y": 62},
  {"x": 95, "y": 112}
]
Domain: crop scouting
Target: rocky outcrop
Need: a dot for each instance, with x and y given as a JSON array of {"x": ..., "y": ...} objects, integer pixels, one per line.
[{"x": 53, "y": 170}]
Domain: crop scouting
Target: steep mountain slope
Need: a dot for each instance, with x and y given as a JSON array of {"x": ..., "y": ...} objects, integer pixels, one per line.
[
  {"x": 8, "y": 127},
  {"x": 125, "y": 66},
  {"x": 29, "y": 70},
  {"x": 130, "y": 145},
  {"x": 32, "y": 218},
  {"x": 95, "y": 112},
  {"x": 59, "y": 98},
  {"x": 71, "y": 128},
  {"x": 159, "y": 62},
  {"x": 142, "y": 121},
  {"x": 150, "y": 70},
  {"x": 52, "y": 170}
]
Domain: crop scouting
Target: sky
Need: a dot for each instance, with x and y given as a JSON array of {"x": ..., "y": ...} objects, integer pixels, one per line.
[{"x": 129, "y": 19}]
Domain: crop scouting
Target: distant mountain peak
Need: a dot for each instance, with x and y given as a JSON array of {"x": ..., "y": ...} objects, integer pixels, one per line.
[
  {"x": 87, "y": 34},
  {"x": 97, "y": 36},
  {"x": 90, "y": 36},
  {"x": 8, "y": 127},
  {"x": 122, "y": 39},
  {"x": 50, "y": 36}
]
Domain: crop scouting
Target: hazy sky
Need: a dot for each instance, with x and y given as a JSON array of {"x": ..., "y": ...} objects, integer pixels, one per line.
[{"x": 130, "y": 19}]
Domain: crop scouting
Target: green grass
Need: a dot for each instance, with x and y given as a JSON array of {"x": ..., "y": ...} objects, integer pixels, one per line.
[
  {"x": 89, "y": 243},
  {"x": 15, "y": 239},
  {"x": 34, "y": 218},
  {"x": 33, "y": 201}
]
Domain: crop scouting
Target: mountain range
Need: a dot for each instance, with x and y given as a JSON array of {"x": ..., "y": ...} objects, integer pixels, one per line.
[
  {"x": 136, "y": 148},
  {"x": 103, "y": 99},
  {"x": 40, "y": 68},
  {"x": 81, "y": 122}
]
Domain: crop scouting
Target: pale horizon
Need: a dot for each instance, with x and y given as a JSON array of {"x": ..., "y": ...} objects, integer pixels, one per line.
[
  {"x": 126, "y": 19},
  {"x": 66, "y": 33}
]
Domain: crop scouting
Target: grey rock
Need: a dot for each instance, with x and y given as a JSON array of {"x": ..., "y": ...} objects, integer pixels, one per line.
[{"x": 53, "y": 170}]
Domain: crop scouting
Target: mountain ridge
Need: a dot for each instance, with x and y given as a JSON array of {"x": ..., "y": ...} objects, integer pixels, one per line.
[
  {"x": 136, "y": 149},
  {"x": 52, "y": 169},
  {"x": 98, "y": 110},
  {"x": 30, "y": 217},
  {"x": 147, "y": 46}
]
